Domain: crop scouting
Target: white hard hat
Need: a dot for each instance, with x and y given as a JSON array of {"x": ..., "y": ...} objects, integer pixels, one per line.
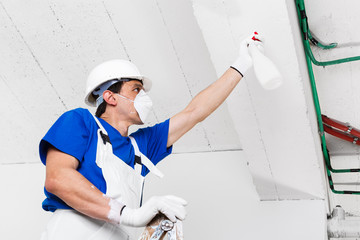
[{"x": 111, "y": 72}]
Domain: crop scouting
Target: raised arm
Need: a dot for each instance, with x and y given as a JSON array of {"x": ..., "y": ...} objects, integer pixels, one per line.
[
  {"x": 212, "y": 97},
  {"x": 202, "y": 105}
]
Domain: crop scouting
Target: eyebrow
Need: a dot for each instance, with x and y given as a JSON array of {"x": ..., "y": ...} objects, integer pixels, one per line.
[{"x": 138, "y": 85}]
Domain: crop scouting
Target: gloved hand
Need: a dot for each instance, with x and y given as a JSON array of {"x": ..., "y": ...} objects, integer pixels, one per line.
[
  {"x": 172, "y": 207},
  {"x": 244, "y": 61}
]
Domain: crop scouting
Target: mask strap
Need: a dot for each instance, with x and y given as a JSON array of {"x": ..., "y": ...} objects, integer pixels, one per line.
[{"x": 124, "y": 97}]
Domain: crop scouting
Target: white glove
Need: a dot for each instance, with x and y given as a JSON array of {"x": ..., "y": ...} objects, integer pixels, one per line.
[
  {"x": 244, "y": 61},
  {"x": 172, "y": 207}
]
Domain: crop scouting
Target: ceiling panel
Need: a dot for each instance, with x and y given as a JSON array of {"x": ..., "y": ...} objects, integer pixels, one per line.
[{"x": 48, "y": 48}]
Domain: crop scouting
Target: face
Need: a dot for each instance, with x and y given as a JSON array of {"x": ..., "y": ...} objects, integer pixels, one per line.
[{"x": 129, "y": 90}]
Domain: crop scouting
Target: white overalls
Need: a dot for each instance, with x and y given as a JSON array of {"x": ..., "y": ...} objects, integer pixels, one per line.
[{"x": 123, "y": 183}]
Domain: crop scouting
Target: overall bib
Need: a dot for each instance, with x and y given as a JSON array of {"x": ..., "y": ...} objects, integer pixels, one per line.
[{"x": 123, "y": 183}]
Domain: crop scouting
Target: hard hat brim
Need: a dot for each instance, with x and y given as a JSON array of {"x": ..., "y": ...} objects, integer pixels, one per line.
[{"x": 147, "y": 84}]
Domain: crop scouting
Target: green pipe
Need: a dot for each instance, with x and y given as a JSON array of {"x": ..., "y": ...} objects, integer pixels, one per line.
[
  {"x": 326, "y": 63},
  {"x": 318, "y": 109},
  {"x": 319, "y": 44},
  {"x": 309, "y": 58},
  {"x": 307, "y": 35}
]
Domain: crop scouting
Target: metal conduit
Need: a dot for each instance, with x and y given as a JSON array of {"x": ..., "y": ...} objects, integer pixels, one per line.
[{"x": 307, "y": 37}]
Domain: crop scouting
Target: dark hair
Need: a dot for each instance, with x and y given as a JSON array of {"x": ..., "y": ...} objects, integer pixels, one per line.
[{"x": 115, "y": 88}]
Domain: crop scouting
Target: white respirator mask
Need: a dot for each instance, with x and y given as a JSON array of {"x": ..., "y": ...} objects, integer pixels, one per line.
[{"x": 142, "y": 104}]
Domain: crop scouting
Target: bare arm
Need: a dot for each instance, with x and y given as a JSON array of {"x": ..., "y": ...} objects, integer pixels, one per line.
[
  {"x": 202, "y": 105},
  {"x": 64, "y": 181}
]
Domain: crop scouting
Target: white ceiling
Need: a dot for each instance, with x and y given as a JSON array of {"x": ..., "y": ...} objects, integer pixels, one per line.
[{"x": 48, "y": 47}]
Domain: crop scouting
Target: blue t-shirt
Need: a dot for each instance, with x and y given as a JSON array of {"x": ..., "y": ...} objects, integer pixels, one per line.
[{"x": 75, "y": 133}]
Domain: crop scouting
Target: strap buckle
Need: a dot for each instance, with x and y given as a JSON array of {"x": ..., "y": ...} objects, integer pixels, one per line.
[
  {"x": 105, "y": 138},
  {"x": 138, "y": 160}
]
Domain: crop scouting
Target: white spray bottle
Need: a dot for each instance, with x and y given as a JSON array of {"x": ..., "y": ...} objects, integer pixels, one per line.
[{"x": 265, "y": 70}]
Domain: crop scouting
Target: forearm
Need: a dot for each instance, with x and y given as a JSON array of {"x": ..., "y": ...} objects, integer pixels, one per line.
[
  {"x": 208, "y": 100},
  {"x": 213, "y": 96},
  {"x": 77, "y": 192},
  {"x": 202, "y": 105},
  {"x": 63, "y": 180}
]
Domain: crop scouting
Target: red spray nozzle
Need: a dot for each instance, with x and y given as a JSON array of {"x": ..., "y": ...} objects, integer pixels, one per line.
[{"x": 254, "y": 38}]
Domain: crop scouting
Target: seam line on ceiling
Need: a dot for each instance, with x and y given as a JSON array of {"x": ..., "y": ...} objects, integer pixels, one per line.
[
  {"x": 33, "y": 55},
  {"x": 229, "y": 23},
  {"x": 292, "y": 199},
  {"x": 262, "y": 141},
  {"x": 181, "y": 68},
  {"x": 19, "y": 163},
  {"x": 122, "y": 44},
  {"x": 117, "y": 31},
  {"x": 86, "y": 70},
  {"x": 252, "y": 105},
  {"x": 173, "y": 46},
  {"x": 17, "y": 99},
  {"x": 212, "y": 151}
]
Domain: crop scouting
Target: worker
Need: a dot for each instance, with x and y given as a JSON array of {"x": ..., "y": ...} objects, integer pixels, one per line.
[{"x": 95, "y": 169}]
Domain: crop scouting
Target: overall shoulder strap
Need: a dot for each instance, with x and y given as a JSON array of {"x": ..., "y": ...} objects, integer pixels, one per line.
[
  {"x": 104, "y": 135},
  {"x": 138, "y": 163},
  {"x": 136, "y": 148},
  {"x": 144, "y": 160}
]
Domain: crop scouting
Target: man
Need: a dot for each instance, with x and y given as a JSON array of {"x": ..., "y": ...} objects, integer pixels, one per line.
[{"x": 95, "y": 170}]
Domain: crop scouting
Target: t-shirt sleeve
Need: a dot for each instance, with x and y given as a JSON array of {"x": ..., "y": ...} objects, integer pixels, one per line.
[
  {"x": 69, "y": 134},
  {"x": 152, "y": 141}
]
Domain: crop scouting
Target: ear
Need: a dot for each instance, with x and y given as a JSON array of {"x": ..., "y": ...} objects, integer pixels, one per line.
[{"x": 108, "y": 97}]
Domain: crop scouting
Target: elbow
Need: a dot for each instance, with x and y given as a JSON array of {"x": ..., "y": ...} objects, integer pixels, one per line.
[
  {"x": 201, "y": 118},
  {"x": 196, "y": 115},
  {"x": 59, "y": 168},
  {"x": 52, "y": 184}
]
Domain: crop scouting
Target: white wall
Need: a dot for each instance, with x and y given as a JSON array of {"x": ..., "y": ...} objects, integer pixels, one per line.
[
  {"x": 223, "y": 203},
  {"x": 21, "y": 196},
  {"x": 338, "y": 86}
]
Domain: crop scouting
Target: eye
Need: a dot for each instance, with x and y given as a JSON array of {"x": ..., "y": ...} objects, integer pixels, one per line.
[{"x": 137, "y": 89}]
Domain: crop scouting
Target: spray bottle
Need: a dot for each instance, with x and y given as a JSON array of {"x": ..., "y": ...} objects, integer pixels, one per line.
[{"x": 265, "y": 70}]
